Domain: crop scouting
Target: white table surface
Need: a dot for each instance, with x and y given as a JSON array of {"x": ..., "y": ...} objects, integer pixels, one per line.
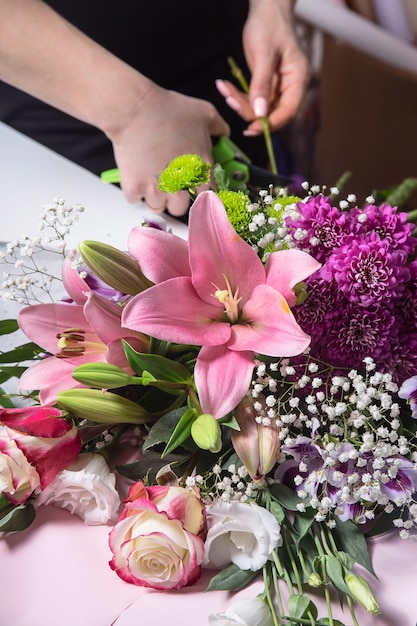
[{"x": 32, "y": 175}]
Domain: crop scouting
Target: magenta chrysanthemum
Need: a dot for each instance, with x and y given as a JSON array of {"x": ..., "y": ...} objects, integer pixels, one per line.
[
  {"x": 367, "y": 270},
  {"x": 320, "y": 227},
  {"x": 390, "y": 225}
]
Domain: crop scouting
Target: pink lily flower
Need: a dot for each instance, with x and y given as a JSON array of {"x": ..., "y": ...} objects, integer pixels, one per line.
[
  {"x": 215, "y": 292},
  {"x": 74, "y": 334}
]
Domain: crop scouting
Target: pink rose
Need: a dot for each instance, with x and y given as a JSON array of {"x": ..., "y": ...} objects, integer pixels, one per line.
[
  {"x": 18, "y": 478},
  {"x": 158, "y": 540},
  {"x": 47, "y": 441}
]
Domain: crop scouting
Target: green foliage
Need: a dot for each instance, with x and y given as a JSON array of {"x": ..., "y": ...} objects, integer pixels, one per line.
[{"x": 231, "y": 578}]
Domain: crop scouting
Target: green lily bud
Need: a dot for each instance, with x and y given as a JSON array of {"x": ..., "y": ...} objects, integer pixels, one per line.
[
  {"x": 314, "y": 580},
  {"x": 116, "y": 268},
  {"x": 361, "y": 592},
  {"x": 102, "y": 376},
  {"x": 300, "y": 290},
  {"x": 207, "y": 433},
  {"x": 102, "y": 407}
]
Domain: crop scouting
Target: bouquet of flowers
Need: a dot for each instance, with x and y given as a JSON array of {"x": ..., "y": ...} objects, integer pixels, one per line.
[{"x": 255, "y": 386}]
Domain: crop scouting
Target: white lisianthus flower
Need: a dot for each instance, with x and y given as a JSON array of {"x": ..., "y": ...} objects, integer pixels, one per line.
[
  {"x": 245, "y": 612},
  {"x": 86, "y": 488},
  {"x": 242, "y": 533}
]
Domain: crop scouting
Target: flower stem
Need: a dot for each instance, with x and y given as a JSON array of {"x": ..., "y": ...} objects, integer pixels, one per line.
[
  {"x": 267, "y": 593},
  {"x": 352, "y": 611},
  {"x": 324, "y": 577},
  {"x": 238, "y": 74}
]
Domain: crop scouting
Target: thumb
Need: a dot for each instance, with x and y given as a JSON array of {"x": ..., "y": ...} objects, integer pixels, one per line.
[{"x": 218, "y": 126}]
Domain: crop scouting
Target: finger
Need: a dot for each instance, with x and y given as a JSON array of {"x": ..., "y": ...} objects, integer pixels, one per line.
[
  {"x": 178, "y": 203},
  {"x": 260, "y": 87},
  {"x": 155, "y": 199},
  {"x": 235, "y": 99}
]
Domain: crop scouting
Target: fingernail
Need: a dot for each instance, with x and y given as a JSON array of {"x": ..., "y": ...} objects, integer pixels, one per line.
[
  {"x": 260, "y": 107},
  {"x": 222, "y": 88},
  {"x": 233, "y": 103},
  {"x": 250, "y": 133}
]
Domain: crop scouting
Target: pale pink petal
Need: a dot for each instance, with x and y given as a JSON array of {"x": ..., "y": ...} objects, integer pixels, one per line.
[
  {"x": 286, "y": 268},
  {"x": 75, "y": 286},
  {"x": 222, "y": 377},
  {"x": 160, "y": 255},
  {"x": 116, "y": 355},
  {"x": 217, "y": 251},
  {"x": 51, "y": 376},
  {"x": 42, "y": 322},
  {"x": 270, "y": 326},
  {"x": 172, "y": 311}
]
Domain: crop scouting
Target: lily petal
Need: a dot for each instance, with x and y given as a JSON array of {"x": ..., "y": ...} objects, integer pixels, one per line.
[
  {"x": 74, "y": 285},
  {"x": 51, "y": 375},
  {"x": 160, "y": 255},
  {"x": 172, "y": 311},
  {"x": 222, "y": 377},
  {"x": 42, "y": 322},
  {"x": 270, "y": 326},
  {"x": 216, "y": 251},
  {"x": 286, "y": 268}
]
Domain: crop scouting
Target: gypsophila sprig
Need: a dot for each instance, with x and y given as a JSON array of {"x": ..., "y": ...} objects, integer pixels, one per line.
[{"x": 27, "y": 280}]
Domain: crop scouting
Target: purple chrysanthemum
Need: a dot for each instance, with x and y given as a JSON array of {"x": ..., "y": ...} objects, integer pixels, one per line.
[
  {"x": 320, "y": 307},
  {"x": 367, "y": 270},
  {"x": 388, "y": 224},
  {"x": 400, "y": 357},
  {"x": 325, "y": 227},
  {"x": 356, "y": 333}
]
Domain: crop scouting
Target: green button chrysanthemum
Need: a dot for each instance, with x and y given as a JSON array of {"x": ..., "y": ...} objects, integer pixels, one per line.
[{"x": 187, "y": 171}]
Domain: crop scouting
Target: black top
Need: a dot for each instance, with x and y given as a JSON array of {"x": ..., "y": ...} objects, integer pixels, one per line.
[{"x": 180, "y": 45}]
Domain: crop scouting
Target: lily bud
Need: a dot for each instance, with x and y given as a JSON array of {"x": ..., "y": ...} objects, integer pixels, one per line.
[
  {"x": 361, "y": 592},
  {"x": 116, "y": 268},
  {"x": 102, "y": 407},
  {"x": 207, "y": 433},
  {"x": 257, "y": 445},
  {"x": 102, "y": 376},
  {"x": 314, "y": 580}
]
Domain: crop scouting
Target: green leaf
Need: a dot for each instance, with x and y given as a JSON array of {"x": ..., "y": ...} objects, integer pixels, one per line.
[
  {"x": 159, "y": 366},
  {"x": 335, "y": 571},
  {"x": 8, "y": 326},
  {"x": 230, "y": 421},
  {"x": 300, "y": 605},
  {"x": 277, "y": 511},
  {"x": 6, "y": 403},
  {"x": 181, "y": 432},
  {"x": 303, "y": 522},
  {"x": 232, "y": 578},
  {"x": 25, "y": 352},
  {"x": 19, "y": 518},
  {"x": 404, "y": 190},
  {"x": 149, "y": 466},
  {"x": 8, "y": 372},
  {"x": 285, "y": 496},
  {"x": 350, "y": 539},
  {"x": 325, "y": 621},
  {"x": 162, "y": 430}
]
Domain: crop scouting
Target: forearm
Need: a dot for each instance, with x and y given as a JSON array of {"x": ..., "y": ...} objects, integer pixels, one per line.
[{"x": 44, "y": 55}]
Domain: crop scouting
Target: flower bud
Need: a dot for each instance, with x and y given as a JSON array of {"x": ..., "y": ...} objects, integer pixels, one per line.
[
  {"x": 116, "y": 268},
  {"x": 257, "y": 445},
  {"x": 361, "y": 592},
  {"x": 102, "y": 375},
  {"x": 207, "y": 433},
  {"x": 314, "y": 580},
  {"x": 101, "y": 407}
]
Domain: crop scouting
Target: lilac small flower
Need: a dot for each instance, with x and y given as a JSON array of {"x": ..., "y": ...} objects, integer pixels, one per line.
[
  {"x": 404, "y": 484},
  {"x": 408, "y": 391},
  {"x": 367, "y": 270}
]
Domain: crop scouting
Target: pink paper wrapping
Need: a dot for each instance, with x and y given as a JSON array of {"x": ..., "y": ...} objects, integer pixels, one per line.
[{"x": 57, "y": 573}]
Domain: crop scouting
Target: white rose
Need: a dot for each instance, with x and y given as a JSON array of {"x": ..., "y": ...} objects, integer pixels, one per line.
[
  {"x": 86, "y": 488},
  {"x": 245, "y": 612},
  {"x": 241, "y": 533}
]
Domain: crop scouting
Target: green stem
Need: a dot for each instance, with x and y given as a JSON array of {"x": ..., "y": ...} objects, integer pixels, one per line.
[
  {"x": 269, "y": 146},
  {"x": 324, "y": 577},
  {"x": 194, "y": 400},
  {"x": 352, "y": 611},
  {"x": 277, "y": 592},
  {"x": 294, "y": 567},
  {"x": 267, "y": 593},
  {"x": 412, "y": 215}
]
